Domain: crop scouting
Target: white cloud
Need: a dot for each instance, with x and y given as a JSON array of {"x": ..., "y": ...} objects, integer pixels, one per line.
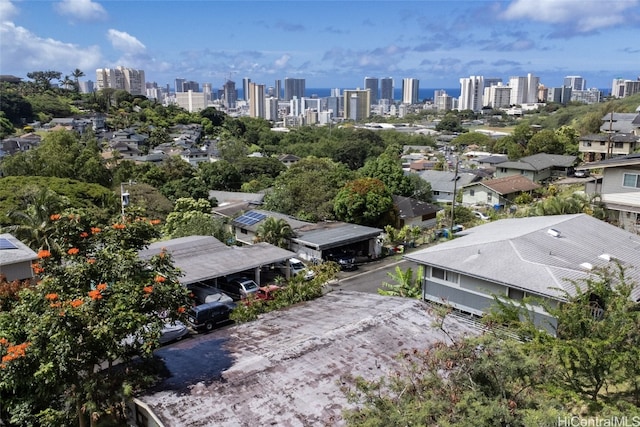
[
  {"x": 84, "y": 10},
  {"x": 7, "y": 10},
  {"x": 125, "y": 42},
  {"x": 282, "y": 61},
  {"x": 582, "y": 16},
  {"x": 26, "y": 52}
]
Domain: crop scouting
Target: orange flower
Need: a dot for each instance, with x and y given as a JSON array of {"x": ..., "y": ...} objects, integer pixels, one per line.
[
  {"x": 181, "y": 310},
  {"x": 14, "y": 352},
  {"x": 4, "y": 341},
  {"x": 76, "y": 303},
  {"x": 43, "y": 253},
  {"x": 84, "y": 234},
  {"x": 95, "y": 230},
  {"x": 101, "y": 286},
  {"x": 55, "y": 304},
  {"x": 73, "y": 251},
  {"x": 55, "y": 217},
  {"x": 155, "y": 221},
  {"x": 148, "y": 289},
  {"x": 119, "y": 226},
  {"x": 159, "y": 279},
  {"x": 95, "y": 294},
  {"x": 51, "y": 296},
  {"x": 36, "y": 268},
  {"x": 91, "y": 260}
]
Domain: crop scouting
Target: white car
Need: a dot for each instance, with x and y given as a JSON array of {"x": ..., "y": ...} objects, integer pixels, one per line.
[
  {"x": 481, "y": 215},
  {"x": 297, "y": 267},
  {"x": 171, "y": 331}
]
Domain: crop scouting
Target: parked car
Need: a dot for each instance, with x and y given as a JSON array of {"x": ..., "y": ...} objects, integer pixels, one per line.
[
  {"x": 208, "y": 316},
  {"x": 296, "y": 267},
  {"x": 346, "y": 261},
  {"x": 581, "y": 173},
  {"x": 481, "y": 215},
  {"x": 203, "y": 293},
  {"x": 171, "y": 331},
  {"x": 267, "y": 293},
  {"x": 238, "y": 287}
]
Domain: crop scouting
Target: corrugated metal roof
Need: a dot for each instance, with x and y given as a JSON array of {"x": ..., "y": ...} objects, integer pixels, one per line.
[
  {"x": 326, "y": 235},
  {"x": 520, "y": 252},
  {"x": 205, "y": 257}
]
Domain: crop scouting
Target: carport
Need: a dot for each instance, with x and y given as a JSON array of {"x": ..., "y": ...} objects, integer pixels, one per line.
[{"x": 202, "y": 258}]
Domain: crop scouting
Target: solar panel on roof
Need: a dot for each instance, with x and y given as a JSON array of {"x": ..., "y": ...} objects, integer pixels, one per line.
[
  {"x": 7, "y": 244},
  {"x": 250, "y": 218}
]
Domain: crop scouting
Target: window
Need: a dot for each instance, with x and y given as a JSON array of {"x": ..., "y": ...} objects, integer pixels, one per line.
[
  {"x": 618, "y": 144},
  {"x": 503, "y": 170},
  {"x": 631, "y": 180},
  {"x": 472, "y": 192},
  {"x": 516, "y": 294},
  {"x": 586, "y": 144},
  {"x": 489, "y": 197},
  {"x": 243, "y": 231},
  {"x": 449, "y": 276},
  {"x": 436, "y": 193}
]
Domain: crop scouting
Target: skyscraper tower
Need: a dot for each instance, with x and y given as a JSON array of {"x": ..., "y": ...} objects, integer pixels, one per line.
[
  {"x": 471, "y": 92},
  {"x": 277, "y": 89},
  {"x": 371, "y": 83},
  {"x": 386, "y": 89},
  {"x": 245, "y": 88},
  {"x": 410, "y": 88},
  {"x": 293, "y": 87},
  {"x": 179, "y": 85},
  {"x": 575, "y": 82},
  {"x": 357, "y": 104},
  {"x": 230, "y": 94},
  {"x": 256, "y": 101}
]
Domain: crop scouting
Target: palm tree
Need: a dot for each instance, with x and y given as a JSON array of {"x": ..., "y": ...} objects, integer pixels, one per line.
[
  {"x": 274, "y": 231},
  {"x": 406, "y": 285},
  {"x": 77, "y": 73},
  {"x": 33, "y": 224}
]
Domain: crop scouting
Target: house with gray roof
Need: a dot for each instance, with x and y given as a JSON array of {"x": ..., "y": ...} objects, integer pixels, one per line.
[
  {"x": 539, "y": 167},
  {"x": 443, "y": 183},
  {"x": 205, "y": 258},
  {"x": 618, "y": 189},
  {"x": 599, "y": 146},
  {"x": 312, "y": 241},
  {"x": 619, "y": 123},
  {"x": 15, "y": 259},
  {"x": 499, "y": 192},
  {"x": 518, "y": 257},
  {"x": 288, "y": 368},
  {"x": 414, "y": 212}
]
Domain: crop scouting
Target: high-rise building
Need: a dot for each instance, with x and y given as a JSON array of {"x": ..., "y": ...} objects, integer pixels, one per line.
[
  {"x": 271, "y": 109},
  {"x": 622, "y": 88},
  {"x": 256, "y": 101},
  {"x": 230, "y": 94},
  {"x": 492, "y": 81},
  {"x": 128, "y": 79},
  {"x": 333, "y": 105},
  {"x": 497, "y": 96},
  {"x": 206, "y": 89},
  {"x": 410, "y": 89},
  {"x": 575, "y": 82},
  {"x": 191, "y": 101},
  {"x": 179, "y": 85},
  {"x": 443, "y": 102},
  {"x": 524, "y": 90},
  {"x": 86, "y": 87},
  {"x": 560, "y": 95},
  {"x": 246, "y": 95},
  {"x": 371, "y": 83},
  {"x": 471, "y": 92},
  {"x": 589, "y": 96},
  {"x": 191, "y": 85},
  {"x": 277, "y": 89},
  {"x": 357, "y": 104},
  {"x": 386, "y": 89},
  {"x": 293, "y": 87}
]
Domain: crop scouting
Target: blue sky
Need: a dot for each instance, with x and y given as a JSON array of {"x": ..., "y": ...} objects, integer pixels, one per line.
[{"x": 329, "y": 43}]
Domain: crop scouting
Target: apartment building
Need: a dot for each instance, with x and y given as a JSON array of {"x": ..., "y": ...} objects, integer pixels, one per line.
[
  {"x": 410, "y": 90},
  {"x": 123, "y": 78},
  {"x": 471, "y": 92},
  {"x": 357, "y": 104},
  {"x": 371, "y": 83},
  {"x": 524, "y": 90}
]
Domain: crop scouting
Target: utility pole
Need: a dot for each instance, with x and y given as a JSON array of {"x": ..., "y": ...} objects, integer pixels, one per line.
[
  {"x": 124, "y": 198},
  {"x": 453, "y": 200}
]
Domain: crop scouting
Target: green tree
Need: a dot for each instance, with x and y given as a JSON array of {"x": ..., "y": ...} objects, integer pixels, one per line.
[
  {"x": 42, "y": 79},
  {"x": 276, "y": 231},
  {"x": 388, "y": 169},
  {"x": 59, "y": 342},
  {"x": 220, "y": 175},
  {"x": 77, "y": 73},
  {"x": 306, "y": 190},
  {"x": 405, "y": 284},
  {"x": 364, "y": 201},
  {"x": 545, "y": 141},
  {"x": 190, "y": 217},
  {"x": 471, "y": 138},
  {"x": 450, "y": 123}
]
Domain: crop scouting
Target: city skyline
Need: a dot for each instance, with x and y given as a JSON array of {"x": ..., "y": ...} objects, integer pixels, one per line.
[{"x": 327, "y": 43}]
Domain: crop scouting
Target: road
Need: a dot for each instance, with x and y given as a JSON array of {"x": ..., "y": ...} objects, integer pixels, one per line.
[{"x": 369, "y": 277}]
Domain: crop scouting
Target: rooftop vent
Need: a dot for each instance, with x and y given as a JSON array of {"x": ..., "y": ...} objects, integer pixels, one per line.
[
  {"x": 606, "y": 257},
  {"x": 586, "y": 266},
  {"x": 553, "y": 232}
]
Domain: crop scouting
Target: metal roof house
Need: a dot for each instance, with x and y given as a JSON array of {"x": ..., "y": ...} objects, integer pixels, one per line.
[
  {"x": 497, "y": 192},
  {"x": 443, "y": 183},
  {"x": 310, "y": 240},
  {"x": 15, "y": 259},
  {"x": 538, "y": 167},
  {"x": 619, "y": 189},
  {"x": 518, "y": 257},
  {"x": 288, "y": 367},
  {"x": 202, "y": 258}
]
